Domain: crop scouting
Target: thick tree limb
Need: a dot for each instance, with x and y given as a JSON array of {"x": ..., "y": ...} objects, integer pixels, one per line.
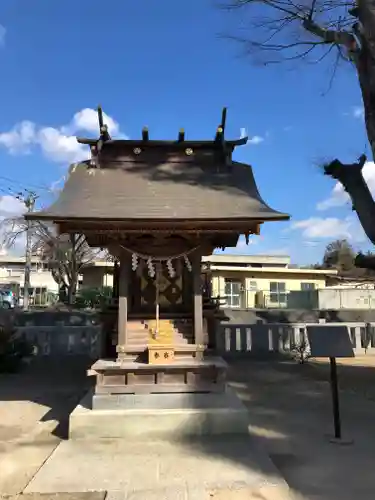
[
  {"x": 336, "y": 166},
  {"x": 365, "y": 261},
  {"x": 328, "y": 35}
]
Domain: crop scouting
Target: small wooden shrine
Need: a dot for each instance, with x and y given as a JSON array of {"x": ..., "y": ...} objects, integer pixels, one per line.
[{"x": 158, "y": 206}]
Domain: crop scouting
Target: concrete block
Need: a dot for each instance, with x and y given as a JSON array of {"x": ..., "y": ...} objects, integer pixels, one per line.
[{"x": 158, "y": 416}]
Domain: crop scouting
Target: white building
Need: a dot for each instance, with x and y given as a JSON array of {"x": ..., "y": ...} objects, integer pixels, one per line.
[
  {"x": 245, "y": 281},
  {"x": 12, "y": 272}
]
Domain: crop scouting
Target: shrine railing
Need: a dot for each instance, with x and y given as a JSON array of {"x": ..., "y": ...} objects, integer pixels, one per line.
[
  {"x": 274, "y": 338},
  {"x": 62, "y": 339}
]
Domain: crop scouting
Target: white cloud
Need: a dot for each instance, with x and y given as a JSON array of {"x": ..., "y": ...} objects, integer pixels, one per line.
[
  {"x": 358, "y": 112},
  {"x": 256, "y": 139},
  {"x": 19, "y": 138},
  {"x": 337, "y": 198},
  {"x": 329, "y": 228},
  {"x": 87, "y": 120},
  {"x": 317, "y": 227},
  {"x": 57, "y": 144},
  {"x": 10, "y": 206},
  {"x": 3, "y": 33},
  {"x": 340, "y": 197},
  {"x": 59, "y": 147}
]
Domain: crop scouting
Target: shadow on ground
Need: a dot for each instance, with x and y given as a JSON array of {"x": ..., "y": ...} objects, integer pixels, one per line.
[
  {"x": 290, "y": 416},
  {"x": 46, "y": 390}
]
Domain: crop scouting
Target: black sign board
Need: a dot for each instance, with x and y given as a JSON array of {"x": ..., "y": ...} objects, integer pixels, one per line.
[{"x": 329, "y": 341}]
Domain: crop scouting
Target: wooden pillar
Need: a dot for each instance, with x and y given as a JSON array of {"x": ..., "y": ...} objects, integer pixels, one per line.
[
  {"x": 116, "y": 269},
  {"x": 123, "y": 305},
  {"x": 198, "y": 302}
]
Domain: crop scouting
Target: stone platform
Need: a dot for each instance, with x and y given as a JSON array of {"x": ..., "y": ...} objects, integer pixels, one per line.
[
  {"x": 160, "y": 416},
  {"x": 193, "y": 470}
]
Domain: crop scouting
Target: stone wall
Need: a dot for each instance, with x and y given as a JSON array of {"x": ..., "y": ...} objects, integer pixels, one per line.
[{"x": 61, "y": 333}]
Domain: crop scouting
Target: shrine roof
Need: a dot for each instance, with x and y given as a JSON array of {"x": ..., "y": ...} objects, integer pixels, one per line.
[
  {"x": 165, "y": 190},
  {"x": 168, "y": 144}
]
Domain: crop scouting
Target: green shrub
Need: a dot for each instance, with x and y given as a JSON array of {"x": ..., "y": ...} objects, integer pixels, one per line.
[
  {"x": 13, "y": 349},
  {"x": 93, "y": 298}
]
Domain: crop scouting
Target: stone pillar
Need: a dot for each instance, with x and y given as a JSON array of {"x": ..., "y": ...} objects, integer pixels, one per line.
[
  {"x": 123, "y": 306},
  {"x": 198, "y": 303}
]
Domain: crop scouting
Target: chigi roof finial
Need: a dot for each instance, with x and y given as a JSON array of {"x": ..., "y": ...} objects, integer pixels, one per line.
[
  {"x": 223, "y": 119},
  {"x": 97, "y": 145},
  {"x": 103, "y": 127}
]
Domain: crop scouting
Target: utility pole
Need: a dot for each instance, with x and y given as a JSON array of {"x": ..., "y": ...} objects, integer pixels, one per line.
[{"x": 28, "y": 199}]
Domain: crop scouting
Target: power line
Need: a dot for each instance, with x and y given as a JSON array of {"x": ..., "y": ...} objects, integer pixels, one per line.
[{"x": 31, "y": 185}]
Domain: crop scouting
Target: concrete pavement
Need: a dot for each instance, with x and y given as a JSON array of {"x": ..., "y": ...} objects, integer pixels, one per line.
[
  {"x": 290, "y": 413},
  {"x": 206, "y": 464},
  {"x": 289, "y": 416}
]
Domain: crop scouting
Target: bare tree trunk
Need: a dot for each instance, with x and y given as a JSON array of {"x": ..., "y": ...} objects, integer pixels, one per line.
[
  {"x": 368, "y": 94},
  {"x": 366, "y": 76},
  {"x": 72, "y": 289},
  {"x": 365, "y": 64},
  {"x": 73, "y": 278}
]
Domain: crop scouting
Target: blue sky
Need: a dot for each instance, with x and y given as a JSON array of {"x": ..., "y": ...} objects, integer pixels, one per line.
[{"x": 164, "y": 64}]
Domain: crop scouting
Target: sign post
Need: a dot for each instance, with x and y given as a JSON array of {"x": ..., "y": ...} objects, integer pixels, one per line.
[
  {"x": 335, "y": 398},
  {"x": 331, "y": 341}
]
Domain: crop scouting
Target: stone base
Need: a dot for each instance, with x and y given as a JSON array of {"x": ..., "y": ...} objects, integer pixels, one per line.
[
  {"x": 182, "y": 375},
  {"x": 158, "y": 416}
]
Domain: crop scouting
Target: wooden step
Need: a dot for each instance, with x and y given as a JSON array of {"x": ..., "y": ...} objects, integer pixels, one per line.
[
  {"x": 140, "y": 333},
  {"x": 175, "y": 339},
  {"x": 171, "y": 331},
  {"x": 179, "y": 348},
  {"x": 144, "y": 343},
  {"x": 138, "y": 326}
]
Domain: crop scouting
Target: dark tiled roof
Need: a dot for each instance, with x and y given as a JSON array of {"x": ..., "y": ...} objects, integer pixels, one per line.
[{"x": 160, "y": 191}]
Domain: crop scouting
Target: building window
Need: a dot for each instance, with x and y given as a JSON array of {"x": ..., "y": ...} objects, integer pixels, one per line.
[
  {"x": 277, "y": 292},
  {"x": 307, "y": 287},
  {"x": 233, "y": 293}
]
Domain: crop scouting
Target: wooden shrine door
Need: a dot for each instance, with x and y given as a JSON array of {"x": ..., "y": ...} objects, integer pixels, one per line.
[{"x": 175, "y": 293}]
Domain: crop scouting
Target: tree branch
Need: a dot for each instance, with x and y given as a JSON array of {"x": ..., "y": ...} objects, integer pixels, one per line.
[
  {"x": 326, "y": 20},
  {"x": 328, "y": 35}
]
